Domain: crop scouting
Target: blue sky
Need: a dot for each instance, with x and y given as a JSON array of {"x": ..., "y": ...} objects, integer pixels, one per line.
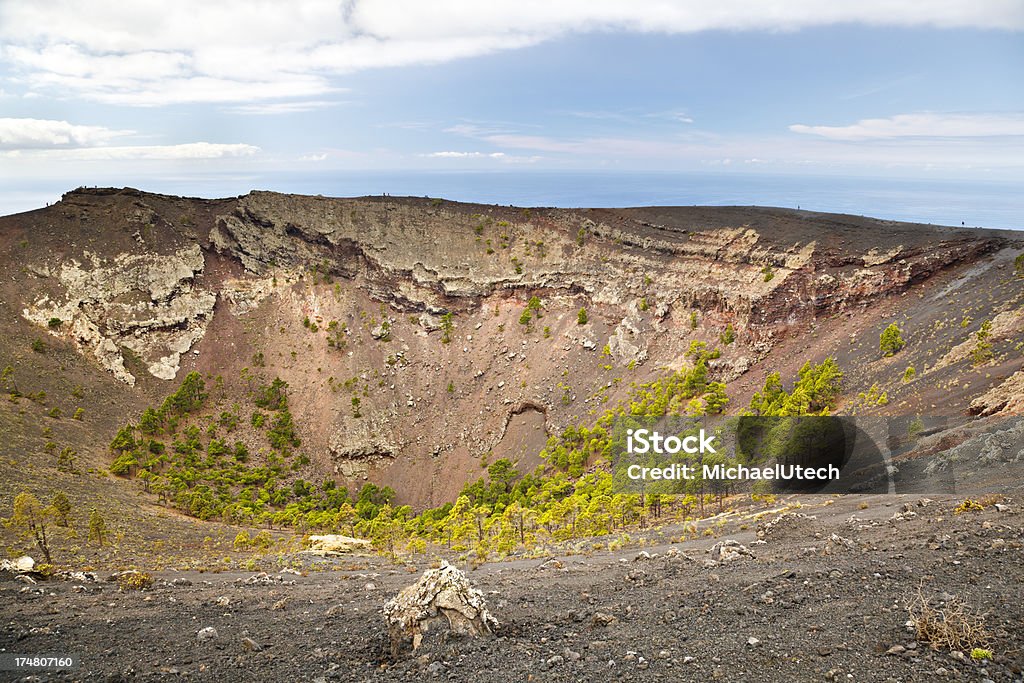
[{"x": 157, "y": 97}]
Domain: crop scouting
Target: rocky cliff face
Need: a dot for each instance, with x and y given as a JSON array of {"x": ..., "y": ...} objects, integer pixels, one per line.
[
  {"x": 343, "y": 298},
  {"x": 145, "y": 303},
  {"x": 444, "y": 257}
]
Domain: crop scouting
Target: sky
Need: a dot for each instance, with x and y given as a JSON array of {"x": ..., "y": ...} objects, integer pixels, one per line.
[{"x": 198, "y": 95}]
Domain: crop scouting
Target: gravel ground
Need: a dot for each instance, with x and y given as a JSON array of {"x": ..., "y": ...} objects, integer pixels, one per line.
[{"x": 805, "y": 607}]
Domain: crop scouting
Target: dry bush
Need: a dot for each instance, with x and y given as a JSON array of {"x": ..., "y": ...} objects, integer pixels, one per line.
[
  {"x": 991, "y": 499},
  {"x": 955, "y": 626}
]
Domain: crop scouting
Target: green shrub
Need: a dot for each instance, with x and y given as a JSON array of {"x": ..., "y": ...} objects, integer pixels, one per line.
[
  {"x": 263, "y": 540},
  {"x": 282, "y": 431},
  {"x": 66, "y": 459},
  {"x": 447, "y": 328},
  {"x": 242, "y": 541},
  {"x": 891, "y": 341},
  {"x": 134, "y": 581},
  {"x": 729, "y": 335},
  {"x": 581, "y": 317},
  {"x": 982, "y": 352},
  {"x": 273, "y": 396}
]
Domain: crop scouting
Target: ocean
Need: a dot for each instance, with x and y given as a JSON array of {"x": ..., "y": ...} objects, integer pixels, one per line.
[{"x": 990, "y": 204}]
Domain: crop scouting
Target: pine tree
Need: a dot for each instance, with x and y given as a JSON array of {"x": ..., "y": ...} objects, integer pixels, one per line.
[
  {"x": 97, "y": 527},
  {"x": 715, "y": 399},
  {"x": 460, "y": 524},
  {"x": 62, "y": 506},
  {"x": 66, "y": 459},
  {"x": 31, "y": 519}
]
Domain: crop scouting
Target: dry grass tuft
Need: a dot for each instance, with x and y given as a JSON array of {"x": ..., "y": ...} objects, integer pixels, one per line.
[{"x": 954, "y": 626}]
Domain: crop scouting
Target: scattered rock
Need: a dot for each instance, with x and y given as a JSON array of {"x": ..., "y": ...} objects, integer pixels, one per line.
[
  {"x": 206, "y": 634},
  {"x": 836, "y": 542},
  {"x": 333, "y": 544},
  {"x": 79, "y": 577},
  {"x": 21, "y": 565},
  {"x": 259, "y": 579},
  {"x": 551, "y": 563},
  {"x": 251, "y": 645}
]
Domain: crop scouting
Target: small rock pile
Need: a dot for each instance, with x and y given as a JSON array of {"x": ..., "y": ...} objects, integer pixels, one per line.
[
  {"x": 727, "y": 551},
  {"x": 781, "y": 526}
]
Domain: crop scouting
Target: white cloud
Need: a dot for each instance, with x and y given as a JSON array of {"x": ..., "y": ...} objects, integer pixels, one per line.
[
  {"x": 43, "y": 133},
  {"x": 947, "y": 154},
  {"x": 313, "y": 157},
  {"x": 927, "y": 125},
  {"x": 465, "y": 155},
  {"x": 274, "y": 108},
  {"x": 63, "y": 141},
  {"x": 150, "y": 53},
  {"x": 187, "y": 151}
]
